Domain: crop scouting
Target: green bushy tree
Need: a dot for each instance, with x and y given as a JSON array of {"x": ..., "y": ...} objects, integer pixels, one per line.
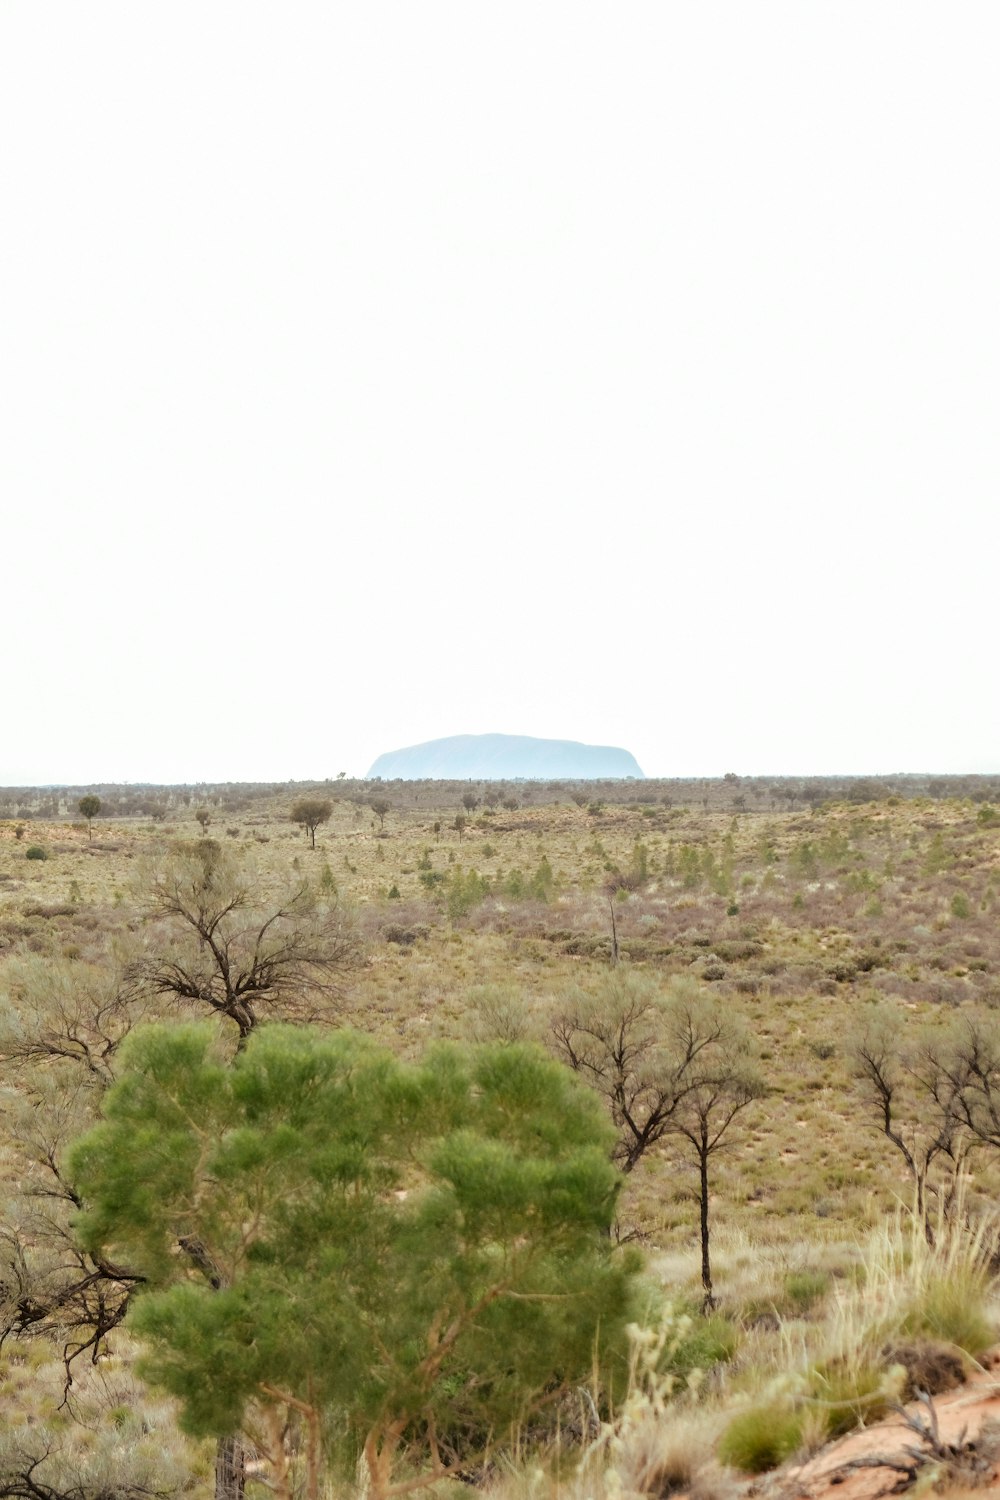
[
  {"x": 89, "y": 806},
  {"x": 310, "y": 812},
  {"x": 406, "y": 1260}
]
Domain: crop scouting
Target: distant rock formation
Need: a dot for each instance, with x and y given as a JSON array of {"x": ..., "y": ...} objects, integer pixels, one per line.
[{"x": 505, "y": 757}]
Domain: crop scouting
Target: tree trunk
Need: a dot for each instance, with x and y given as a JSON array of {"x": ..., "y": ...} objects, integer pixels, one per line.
[
  {"x": 706, "y": 1262},
  {"x": 230, "y": 1469}
]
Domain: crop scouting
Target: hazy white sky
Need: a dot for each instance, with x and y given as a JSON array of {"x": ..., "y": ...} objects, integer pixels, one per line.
[{"x": 377, "y": 371}]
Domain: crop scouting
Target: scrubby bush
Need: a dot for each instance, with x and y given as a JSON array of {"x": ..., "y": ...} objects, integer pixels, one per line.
[
  {"x": 360, "y": 1213},
  {"x": 35, "y": 851},
  {"x": 803, "y": 1289},
  {"x": 761, "y": 1438}
]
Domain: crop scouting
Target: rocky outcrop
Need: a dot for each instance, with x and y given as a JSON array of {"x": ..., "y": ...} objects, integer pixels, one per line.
[{"x": 505, "y": 757}]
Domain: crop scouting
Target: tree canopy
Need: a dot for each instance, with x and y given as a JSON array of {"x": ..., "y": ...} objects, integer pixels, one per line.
[
  {"x": 409, "y": 1258},
  {"x": 90, "y": 806},
  {"x": 310, "y": 812}
]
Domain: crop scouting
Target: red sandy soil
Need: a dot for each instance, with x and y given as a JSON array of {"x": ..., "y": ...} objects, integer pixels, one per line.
[{"x": 966, "y": 1455}]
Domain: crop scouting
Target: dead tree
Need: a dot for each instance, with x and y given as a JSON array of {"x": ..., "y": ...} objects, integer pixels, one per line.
[
  {"x": 918, "y": 1091},
  {"x": 241, "y": 957}
]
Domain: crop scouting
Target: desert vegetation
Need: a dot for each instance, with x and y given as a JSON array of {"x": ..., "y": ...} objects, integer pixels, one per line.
[{"x": 529, "y": 1136}]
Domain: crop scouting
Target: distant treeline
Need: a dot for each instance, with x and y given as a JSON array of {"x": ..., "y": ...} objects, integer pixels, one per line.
[{"x": 729, "y": 792}]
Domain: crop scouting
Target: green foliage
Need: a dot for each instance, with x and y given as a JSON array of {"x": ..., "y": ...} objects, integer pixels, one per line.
[
  {"x": 803, "y": 1289},
  {"x": 761, "y": 1438},
  {"x": 834, "y": 847},
  {"x": 539, "y": 886},
  {"x": 846, "y": 1391},
  {"x": 394, "y": 1246},
  {"x": 542, "y": 883},
  {"x": 498, "y": 1013},
  {"x": 718, "y": 873},
  {"x": 35, "y": 851},
  {"x": 466, "y": 889},
  {"x": 310, "y": 812},
  {"x": 802, "y": 860},
  {"x": 705, "y": 1342},
  {"x": 89, "y": 806},
  {"x": 381, "y": 808},
  {"x": 938, "y": 857},
  {"x": 767, "y": 851},
  {"x": 953, "y": 1309}
]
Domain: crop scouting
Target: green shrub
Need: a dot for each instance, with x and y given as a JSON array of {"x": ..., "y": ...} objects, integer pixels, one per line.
[
  {"x": 466, "y": 890},
  {"x": 941, "y": 1291},
  {"x": 709, "y": 1341},
  {"x": 953, "y": 1311},
  {"x": 35, "y": 851},
  {"x": 849, "y": 1391},
  {"x": 803, "y": 1289},
  {"x": 761, "y": 1438}
]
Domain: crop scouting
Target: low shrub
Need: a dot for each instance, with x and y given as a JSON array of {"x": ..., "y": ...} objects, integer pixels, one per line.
[
  {"x": 850, "y": 1390},
  {"x": 35, "y": 851},
  {"x": 761, "y": 1438},
  {"x": 954, "y": 1312},
  {"x": 702, "y": 1343},
  {"x": 803, "y": 1289}
]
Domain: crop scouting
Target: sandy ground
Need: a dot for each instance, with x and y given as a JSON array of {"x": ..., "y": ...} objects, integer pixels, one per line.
[{"x": 951, "y": 1444}]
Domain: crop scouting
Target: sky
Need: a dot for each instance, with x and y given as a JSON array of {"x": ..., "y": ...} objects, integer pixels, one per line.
[{"x": 375, "y": 372}]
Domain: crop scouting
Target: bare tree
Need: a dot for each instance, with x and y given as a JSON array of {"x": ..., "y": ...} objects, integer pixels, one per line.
[
  {"x": 242, "y": 958},
  {"x": 78, "y": 1012},
  {"x": 975, "y": 1065},
  {"x": 919, "y": 1091},
  {"x": 621, "y": 1040},
  {"x": 721, "y": 1082},
  {"x": 61, "y": 1025},
  {"x": 49, "y": 1287},
  {"x": 669, "y": 1065}
]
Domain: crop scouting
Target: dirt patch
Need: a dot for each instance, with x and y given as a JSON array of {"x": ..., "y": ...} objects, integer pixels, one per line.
[{"x": 951, "y": 1440}]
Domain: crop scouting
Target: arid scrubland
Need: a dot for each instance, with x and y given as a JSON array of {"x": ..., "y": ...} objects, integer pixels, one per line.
[{"x": 782, "y": 992}]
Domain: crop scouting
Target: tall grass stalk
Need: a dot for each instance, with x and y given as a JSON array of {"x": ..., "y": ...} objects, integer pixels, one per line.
[{"x": 940, "y": 1290}]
